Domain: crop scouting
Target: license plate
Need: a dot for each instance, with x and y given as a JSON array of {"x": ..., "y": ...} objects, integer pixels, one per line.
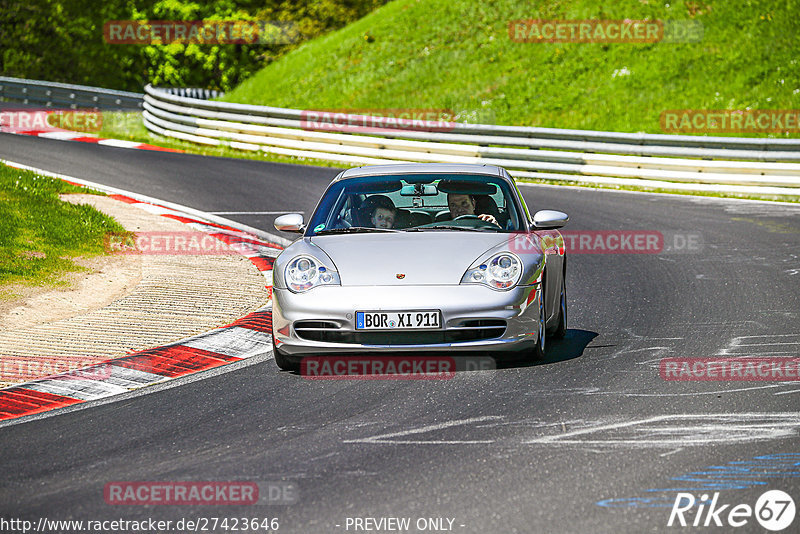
[{"x": 398, "y": 320}]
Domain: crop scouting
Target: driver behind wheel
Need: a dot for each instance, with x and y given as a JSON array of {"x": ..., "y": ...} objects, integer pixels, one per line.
[{"x": 461, "y": 205}]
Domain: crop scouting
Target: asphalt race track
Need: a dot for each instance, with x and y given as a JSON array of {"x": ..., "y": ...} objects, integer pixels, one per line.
[{"x": 590, "y": 440}]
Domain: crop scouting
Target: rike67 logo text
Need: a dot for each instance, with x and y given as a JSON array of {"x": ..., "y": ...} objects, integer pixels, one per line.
[{"x": 774, "y": 510}]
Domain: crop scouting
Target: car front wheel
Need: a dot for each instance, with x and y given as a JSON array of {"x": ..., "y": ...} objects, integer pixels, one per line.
[
  {"x": 282, "y": 360},
  {"x": 561, "y": 329},
  {"x": 541, "y": 340}
]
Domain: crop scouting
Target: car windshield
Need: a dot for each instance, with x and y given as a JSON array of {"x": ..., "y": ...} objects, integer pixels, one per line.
[{"x": 418, "y": 203}]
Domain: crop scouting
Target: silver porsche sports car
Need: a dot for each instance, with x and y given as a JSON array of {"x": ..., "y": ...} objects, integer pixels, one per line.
[{"x": 419, "y": 257}]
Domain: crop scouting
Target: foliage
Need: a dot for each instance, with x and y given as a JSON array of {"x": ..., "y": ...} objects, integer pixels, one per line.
[{"x": 62, "y": 40}]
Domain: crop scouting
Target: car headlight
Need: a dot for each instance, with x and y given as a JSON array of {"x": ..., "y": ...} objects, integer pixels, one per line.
[
  {"x": 501, "y": 271},
  {"x": 304, "y": 273}
]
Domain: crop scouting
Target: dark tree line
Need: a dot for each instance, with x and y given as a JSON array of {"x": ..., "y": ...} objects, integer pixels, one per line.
[{"x": 62, "y": 40}]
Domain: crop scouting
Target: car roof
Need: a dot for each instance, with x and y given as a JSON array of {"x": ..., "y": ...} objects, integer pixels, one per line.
[{"x": 420, "y": 168}]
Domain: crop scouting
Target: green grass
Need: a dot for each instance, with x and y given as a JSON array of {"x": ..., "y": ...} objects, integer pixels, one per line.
[
  {"x": 457, "y": 55},
  {"x": 40, "y": 235}
]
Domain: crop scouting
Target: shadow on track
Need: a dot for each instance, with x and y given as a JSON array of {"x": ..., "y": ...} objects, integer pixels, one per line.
[
  {"x": 336, "y": 366},
  {"x": 560, "y": 350}
]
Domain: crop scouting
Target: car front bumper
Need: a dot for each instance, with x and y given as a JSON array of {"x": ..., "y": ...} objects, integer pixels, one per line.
[{"x": 472, "y": 316}]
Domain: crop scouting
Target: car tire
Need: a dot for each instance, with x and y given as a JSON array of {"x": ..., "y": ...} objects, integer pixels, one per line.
[
  {"x": 561, "y": 329},
  {"x": 541, "y": 338},
  {"x": 282, "y": 360}
]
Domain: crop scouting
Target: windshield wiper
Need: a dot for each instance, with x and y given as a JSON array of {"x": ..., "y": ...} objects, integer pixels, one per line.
[
  {"x": 462, "y": 228},
  {"x": 354, "y": 230}
]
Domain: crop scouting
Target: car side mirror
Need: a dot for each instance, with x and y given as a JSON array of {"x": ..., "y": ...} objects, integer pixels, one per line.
[
  {"x": 291, "y": 222},
  {"x": 549, "y": 219}
]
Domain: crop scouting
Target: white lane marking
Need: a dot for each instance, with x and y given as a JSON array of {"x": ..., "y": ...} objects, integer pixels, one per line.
[
  {"x": 737, "y": 344},
  {"x": 672, "y": 431},
  {"x": 769, "y": 336},
  {"x": 760, "y": 354},
  {"x": 251, "y": 250},
  {"x": 628, "y": 351},
  {"x": 787, "y": 392},
  {"x": 254, "y": 212},
  {"x": 770, "y": 344},
  {"x": 86, "y": 390},
  {"x": 684, "y": 430},
  {"x": 692, "y": 394},
  {"x": 387, "y": 438},
  {"x": 211, "y": 229},
  {"x": 734, "y": 343},
  {"x": 63, "y": 135},
  {"x": 119, "y": 143},
  {"x": 781, "y": 208},
  {"x": 131, "y": 378},
  {"x": 559, "y": 391},
  {"x": 157, "y": 210},
  {"x": 234, "y": 341}
]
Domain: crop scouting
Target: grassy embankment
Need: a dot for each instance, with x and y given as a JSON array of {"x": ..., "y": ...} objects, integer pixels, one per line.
[
  {"x": 457, "y": 55},
  {"x": 40, "y": 235}
]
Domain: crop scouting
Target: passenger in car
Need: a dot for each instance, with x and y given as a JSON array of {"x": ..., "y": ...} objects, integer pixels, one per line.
[
  {"x": 378, "y": 211},
  {"x": 461, "y": 205}
]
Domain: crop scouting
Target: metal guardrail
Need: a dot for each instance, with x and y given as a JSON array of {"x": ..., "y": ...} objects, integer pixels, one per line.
[
  {"x": 192, "y": 92},
  {"x": 61, "y": 95},
  {"x": 623, "y": 143},
  {"x": 600, "y": 157}
]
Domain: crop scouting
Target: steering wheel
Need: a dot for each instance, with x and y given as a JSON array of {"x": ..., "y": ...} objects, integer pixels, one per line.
[
  {"x": 341, "y": 223},
  {"x": 474, "y": 218}
]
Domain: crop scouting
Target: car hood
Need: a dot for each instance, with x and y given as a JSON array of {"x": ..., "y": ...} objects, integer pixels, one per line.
[{"x": 423, "y": 257}]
